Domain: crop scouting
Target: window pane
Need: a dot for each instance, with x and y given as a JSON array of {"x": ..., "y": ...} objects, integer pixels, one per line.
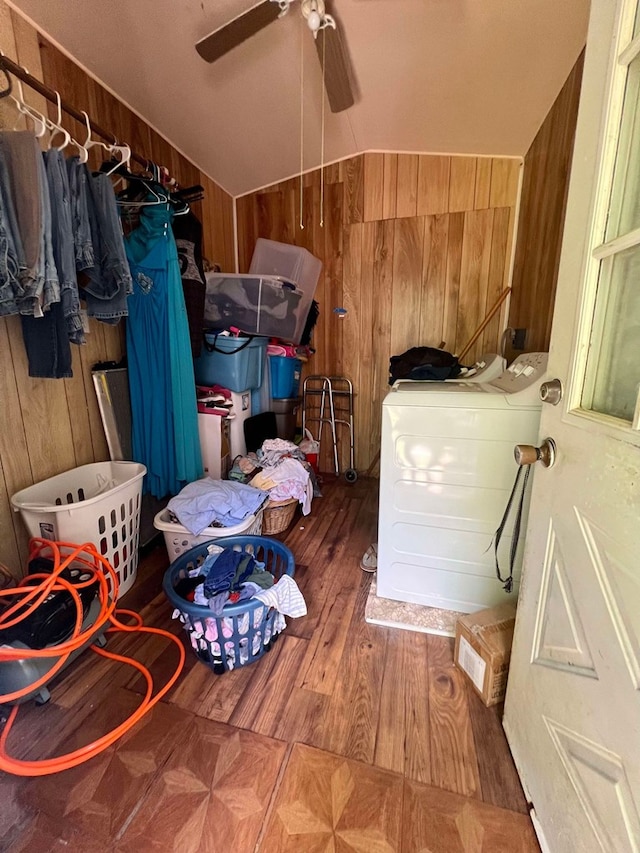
[
  {"x": 624, "y": 215},
  {"x": 613, "y": 368}
]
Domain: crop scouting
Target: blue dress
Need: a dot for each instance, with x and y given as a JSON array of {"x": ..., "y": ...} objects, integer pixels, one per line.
[{"x": 161, "y": 382}]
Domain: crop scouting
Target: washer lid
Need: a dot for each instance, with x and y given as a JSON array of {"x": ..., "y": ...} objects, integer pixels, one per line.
[{"x": 474, "y": 395}]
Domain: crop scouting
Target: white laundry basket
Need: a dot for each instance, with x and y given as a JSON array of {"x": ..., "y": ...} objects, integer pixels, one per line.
[
  {"x": 98, "y": 503},
  {"x": 178, "y": 539}
]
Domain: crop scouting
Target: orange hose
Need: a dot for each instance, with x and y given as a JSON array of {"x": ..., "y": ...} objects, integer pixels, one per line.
[{"x": 32, "y": 595}]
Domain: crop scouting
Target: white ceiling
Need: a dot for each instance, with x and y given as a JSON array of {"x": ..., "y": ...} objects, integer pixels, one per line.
[{"x": 442, "y": 76}]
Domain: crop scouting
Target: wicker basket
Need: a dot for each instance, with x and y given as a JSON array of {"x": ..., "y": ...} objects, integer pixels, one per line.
[{"x": 278, "y": 515}]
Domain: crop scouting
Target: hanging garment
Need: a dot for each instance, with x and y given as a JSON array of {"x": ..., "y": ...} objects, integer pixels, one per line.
[
  {"x": 161, "y": 382},
  {"x": 187, "y": 229},
  {"x": 63, "y": 242},
  {"x": 79, "y": 185},
  {"x": 44, "y": 328},
  {"x": 108, "y": 281},
  {"x": 12, "y": 263},
  {"x": 21, "y": 154}
]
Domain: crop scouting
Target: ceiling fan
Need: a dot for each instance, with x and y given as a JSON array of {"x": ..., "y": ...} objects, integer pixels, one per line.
[{"x": 338, "y": 76}]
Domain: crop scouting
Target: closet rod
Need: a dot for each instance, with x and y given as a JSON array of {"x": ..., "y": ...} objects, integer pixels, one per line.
[{"x": 22, "y": 74}]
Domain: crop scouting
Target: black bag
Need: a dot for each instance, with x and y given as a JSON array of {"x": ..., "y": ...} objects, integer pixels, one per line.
[{"x": 423, "y": 363}]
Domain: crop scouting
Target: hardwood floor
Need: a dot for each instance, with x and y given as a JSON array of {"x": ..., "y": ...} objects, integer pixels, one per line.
[{"x": 344, "y": 737}]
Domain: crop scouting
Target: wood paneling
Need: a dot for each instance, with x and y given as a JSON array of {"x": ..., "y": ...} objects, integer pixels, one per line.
[
  {"x": 407, "y": 186},
  {"x": 49, "y": 426},
  {"x": 411, "y": 248},
  {"x": 541, "y": 219},
  {"x": 433, "y": 184}
]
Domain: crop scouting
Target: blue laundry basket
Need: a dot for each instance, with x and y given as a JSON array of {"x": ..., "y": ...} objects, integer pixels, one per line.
[{"x": 244, "y": 631}]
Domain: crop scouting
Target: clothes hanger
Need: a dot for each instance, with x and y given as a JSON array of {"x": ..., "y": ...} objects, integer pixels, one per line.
[
  {"x": 89, "y": 142},
  {"x": 125, "y": 154},
  {"x": 123, "y": 150},
  {"x": 39, "y": 121},
  {"x": 56, "y": 127},
  {"x": 150, "y": 186},
  {"x": 83, "y": 151}
]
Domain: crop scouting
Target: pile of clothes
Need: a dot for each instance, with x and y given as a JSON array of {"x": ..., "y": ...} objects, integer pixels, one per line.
[
  {"x": 281, "y": 469},
  {"x": 226, "y": 577},
  {"x": 215, "y": 503}
]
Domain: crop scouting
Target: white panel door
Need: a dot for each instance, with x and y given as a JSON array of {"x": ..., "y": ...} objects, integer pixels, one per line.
[{"x": 572, "y": 712}]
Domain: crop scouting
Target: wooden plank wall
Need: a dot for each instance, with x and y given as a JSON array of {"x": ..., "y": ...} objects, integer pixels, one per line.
[
  {"x": 541, "y": 219},
  {"x": 49, "y": 426},
  {"x": 416, "y": 248}
]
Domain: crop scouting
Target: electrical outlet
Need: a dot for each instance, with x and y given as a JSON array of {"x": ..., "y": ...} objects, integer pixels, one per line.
[{"x": 519, "y": 337}]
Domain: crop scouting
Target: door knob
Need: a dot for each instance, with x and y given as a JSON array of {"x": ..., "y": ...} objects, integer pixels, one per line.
[
  {"x": 527, "y": 454},
  {"x": 551, "y": 392}
]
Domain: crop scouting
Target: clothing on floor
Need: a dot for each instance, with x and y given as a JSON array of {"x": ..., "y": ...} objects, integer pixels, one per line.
[
  {"x": 161, "y": 381},
  {"x": 205, "y": 501}
]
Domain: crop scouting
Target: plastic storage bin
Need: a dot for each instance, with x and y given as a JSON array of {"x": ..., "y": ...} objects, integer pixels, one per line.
[
  {"x": 289, "y": 262},
  {"x": 98, "y": 503},
  {"x": 233, "y": 362},
  {"x": 246, "y": 630},
  {"x": 257, "y": 305},
  {"x": 178, "y": 539},
  {"x": 285, "y": 376}
]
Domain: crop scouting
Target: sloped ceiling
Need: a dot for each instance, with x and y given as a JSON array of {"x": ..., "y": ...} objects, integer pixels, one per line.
[{"x": 442, "y": 76}]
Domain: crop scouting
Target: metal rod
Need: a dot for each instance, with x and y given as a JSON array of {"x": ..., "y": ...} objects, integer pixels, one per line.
[{"x": 19, "y": 72}]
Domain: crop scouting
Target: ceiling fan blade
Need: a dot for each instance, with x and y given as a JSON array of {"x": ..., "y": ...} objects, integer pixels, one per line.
[
  {"x": 223, "y": 40},
  {"x": 338, "y": 76}
]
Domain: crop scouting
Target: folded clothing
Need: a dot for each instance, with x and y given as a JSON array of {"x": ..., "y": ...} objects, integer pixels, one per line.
[{"x": 205, "y": 501}]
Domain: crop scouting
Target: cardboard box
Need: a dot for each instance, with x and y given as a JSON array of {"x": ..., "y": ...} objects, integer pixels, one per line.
[{"x": 483, "y": 650}]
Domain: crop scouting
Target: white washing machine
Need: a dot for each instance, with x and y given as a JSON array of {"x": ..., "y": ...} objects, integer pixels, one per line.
[{"x": 446, "y": 472}]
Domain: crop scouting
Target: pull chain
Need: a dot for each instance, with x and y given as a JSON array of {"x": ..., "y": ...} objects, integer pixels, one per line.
[
  {"x": 324, "y": 56},
  {"x": 302, "y": 34}
]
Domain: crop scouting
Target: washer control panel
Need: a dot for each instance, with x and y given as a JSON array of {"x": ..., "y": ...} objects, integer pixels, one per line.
[{"x": 524, "y": 376}]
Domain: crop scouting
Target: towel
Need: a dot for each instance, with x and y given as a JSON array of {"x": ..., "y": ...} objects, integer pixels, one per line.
[{"x": 285, "y": 596}]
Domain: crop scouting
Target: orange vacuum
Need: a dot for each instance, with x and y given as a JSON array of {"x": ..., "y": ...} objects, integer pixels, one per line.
[{"x": 76, "y": 570}]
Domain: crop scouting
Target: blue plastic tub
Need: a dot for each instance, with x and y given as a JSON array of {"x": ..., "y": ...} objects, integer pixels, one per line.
[
  {"x": 233, "y": 362},
  {"x": 285, "y": 376},
  {"x": 245, "y": 631}
]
